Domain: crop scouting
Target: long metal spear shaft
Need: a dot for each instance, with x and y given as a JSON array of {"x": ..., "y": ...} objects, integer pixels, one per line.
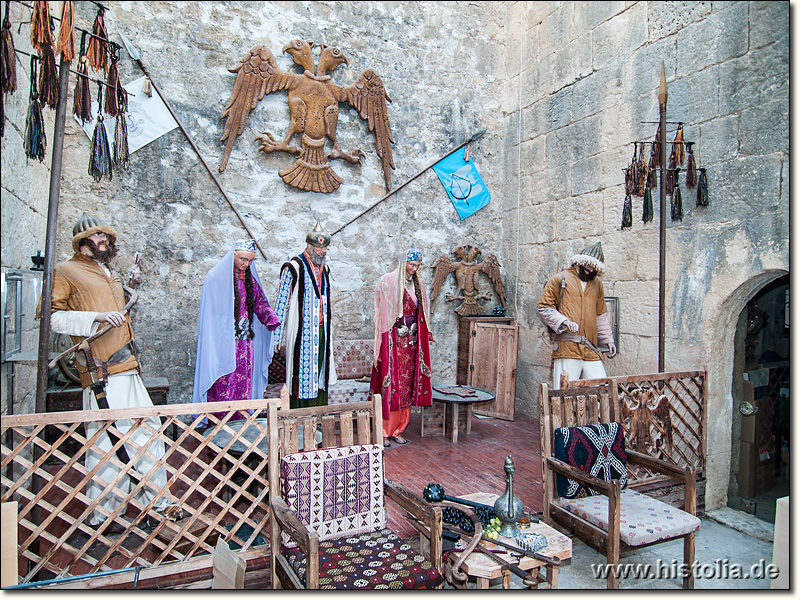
[
  {"x": 662, "y": 240},
  {"x": 407, "y": 181},
  {"x": 50, "y": 240},
  {"x": 134, "y": 54}
]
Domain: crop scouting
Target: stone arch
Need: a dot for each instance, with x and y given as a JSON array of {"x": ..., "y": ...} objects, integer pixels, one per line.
[{"x": 720, "y": 382}]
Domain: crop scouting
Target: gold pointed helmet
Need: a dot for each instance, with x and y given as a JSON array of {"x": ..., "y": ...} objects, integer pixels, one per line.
[
  {"x": 86, "y": 226},
  {"x": 318, "y": 236}
]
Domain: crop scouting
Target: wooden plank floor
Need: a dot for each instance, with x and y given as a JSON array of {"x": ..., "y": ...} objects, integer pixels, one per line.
[{"x": 473, "y": 464}]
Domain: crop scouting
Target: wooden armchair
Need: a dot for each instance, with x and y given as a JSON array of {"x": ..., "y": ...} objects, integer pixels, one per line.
[
  {"x": 608, "y": 517},
  {"x": 328, "y": 518}
]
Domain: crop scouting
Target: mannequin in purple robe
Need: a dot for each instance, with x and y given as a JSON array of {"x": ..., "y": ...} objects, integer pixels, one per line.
[{"x": 234, "y": 343}]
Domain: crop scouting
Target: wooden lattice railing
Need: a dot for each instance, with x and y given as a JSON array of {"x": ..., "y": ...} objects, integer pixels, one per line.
[
  {"x": 662, "y": 414},
  {"x": 222, "y": 490}
]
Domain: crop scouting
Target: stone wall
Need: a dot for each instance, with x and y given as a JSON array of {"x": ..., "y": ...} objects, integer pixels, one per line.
[
  {"x": 563, "y": 89},
  {"x": 585, "y": 88}
]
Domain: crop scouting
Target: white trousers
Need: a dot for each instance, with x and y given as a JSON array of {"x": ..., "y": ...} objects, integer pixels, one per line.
[
  {"x": 577, "y": 369},
  {"x": 124, "y": 390}
]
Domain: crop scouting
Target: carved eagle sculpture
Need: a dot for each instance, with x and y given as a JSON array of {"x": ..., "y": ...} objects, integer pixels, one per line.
[
  {"x": 467, "y": 278},
  {"x": 314, "y": 111}
]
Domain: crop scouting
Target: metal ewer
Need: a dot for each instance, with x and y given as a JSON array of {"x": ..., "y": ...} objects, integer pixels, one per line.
[{"x": 508, "y": 508}]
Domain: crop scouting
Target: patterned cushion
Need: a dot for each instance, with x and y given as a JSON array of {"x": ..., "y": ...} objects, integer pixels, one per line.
[
  {"x": 348, "y": 390},
  {"x": 595, "y": 449},
  {"x": 642, "y": 519},
  {"x": 377, "y": 560},
  {"x": 336, "y": 491},
  {"x": 353, "y": 358}
]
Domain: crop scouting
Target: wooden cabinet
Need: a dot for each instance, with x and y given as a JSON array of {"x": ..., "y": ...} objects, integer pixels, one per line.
[{"x": 487, "y": 358}]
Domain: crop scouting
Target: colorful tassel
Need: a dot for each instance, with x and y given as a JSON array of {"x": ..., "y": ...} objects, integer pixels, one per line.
[
  {"x": 41, "y": 26},
  {"x": 657, "y": 145},
  {"x": 65, "y": 45},
  {"x": 652, "y": 169},
  {"x": 627, "y": 212},
  {"x": 97, "y": 55},
  {"x": 100, "y": 158},
  {"x": 643, "y": 171},
  {"x": 113, "y": 85},
  {"x": 121, "y": 153},
  {"x": 677, "y": 203},
  {"x": 677, "y": 146},
  {"x": 691, "y": 168},
  {"x": 702, "y": 188},
  {"x": 34, "y": 139},
  {"x": 48, "y": 78},
  {"x": 647, "y": 206},
  {"x": 82, "y": 107},
  {"x": 8, "y": 61}
]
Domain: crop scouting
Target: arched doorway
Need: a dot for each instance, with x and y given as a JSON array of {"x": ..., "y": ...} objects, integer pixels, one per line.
[{"x": 760, "y": 388}]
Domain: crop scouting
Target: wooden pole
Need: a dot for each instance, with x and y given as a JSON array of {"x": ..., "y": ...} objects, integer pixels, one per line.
[
  {"x": 50, "y": 241},
  {"x": 662, "y": 241}
]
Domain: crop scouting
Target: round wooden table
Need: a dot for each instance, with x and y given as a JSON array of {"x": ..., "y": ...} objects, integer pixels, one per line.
[{"x": 443, "y": 418}]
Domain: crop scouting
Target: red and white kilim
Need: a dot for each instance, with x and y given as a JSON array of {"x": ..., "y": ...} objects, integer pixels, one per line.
[{"x": 335, "y": 491}]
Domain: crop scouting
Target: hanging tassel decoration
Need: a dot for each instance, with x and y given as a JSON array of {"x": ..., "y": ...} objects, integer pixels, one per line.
[
  {"x": 34, "y": 139},
  {"x": 65, "y": 45},
  {"x": 113, "y": 85},
  {"x": 657, "y": 146},
  {"x": 702, "y": 188},
  {"x": 644, "y": 171},
  {"x": 8, "y": 64},
  {"x": 652, "y": 169},
  {"x": 48, "y": 78},
  {"x": 671, "y": 174},
  {"x": 97, "y": 54},
  {"x": 627, "y": 212},
  {"x": 677, "y": 146},
  {"x": 82, "y": 107},
  {"x": 691, "y": 168},
  {"x": 121, "y": 154},
  {"x": 647, "y": 206},
  {"x": 677, "y": 201},
  {"x": 100, "y": 158},
  {"x": 41, "y": 26},
  {"x": 632, "y": 176}
]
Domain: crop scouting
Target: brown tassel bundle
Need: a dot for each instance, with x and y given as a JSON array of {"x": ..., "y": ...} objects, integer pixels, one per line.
[
  {"x": 8, "y": 62},
  {"x": 65, "y": 45},
  {"x": 97, "y": 55},
  {"x": 48, "y": 78},
  {"x": 677, "y": 146},
  {"x": 113, "y": 85},
  {"x": 82, "y": 108},
  {"x": 652, "y": 168},
  {"x": 121, "y": 153},
  {"x": 632, "y": 175},
  {"x": 691, "y": 168},
  {"x": 672, "y": 177},
  {"x": 657, "y": 146},
  {"x": 643, "y": 170},
  {"x": 41, "y": 26}
]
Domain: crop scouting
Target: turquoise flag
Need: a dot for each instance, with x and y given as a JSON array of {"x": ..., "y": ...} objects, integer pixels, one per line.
[{"x": 463, "y": 184}]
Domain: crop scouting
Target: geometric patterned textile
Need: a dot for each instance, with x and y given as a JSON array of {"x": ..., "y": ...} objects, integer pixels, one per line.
[
  {"x": 353, "y": 358},
  {"x": 376, "y": 560},
  {"x": 336, "y": 491},
  {"x": 595, "y": 449},
  {"x": 642, "y": 519}
]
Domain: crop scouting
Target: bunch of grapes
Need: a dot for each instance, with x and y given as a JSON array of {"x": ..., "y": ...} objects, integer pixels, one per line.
[{"x": 492, "y": 530}]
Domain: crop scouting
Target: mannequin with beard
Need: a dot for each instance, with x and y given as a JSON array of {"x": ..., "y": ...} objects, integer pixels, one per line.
[
  {"x": 87, "y": 295},
  {"x": 573, "y": 307},
  {"x": 303, "y": 307}
]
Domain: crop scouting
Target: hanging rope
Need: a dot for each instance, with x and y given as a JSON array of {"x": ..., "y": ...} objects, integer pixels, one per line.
[
  {"x": 100, "y": 158},
  {"x": 34, "y": 139}
]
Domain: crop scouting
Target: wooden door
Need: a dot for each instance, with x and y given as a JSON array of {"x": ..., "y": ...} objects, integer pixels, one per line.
[{"x": 493, "y": 366}]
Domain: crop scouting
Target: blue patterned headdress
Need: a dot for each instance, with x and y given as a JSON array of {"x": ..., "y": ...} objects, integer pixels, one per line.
[
  {"x": 246, "y": 245},
  {"x": 414, "y": 254}
]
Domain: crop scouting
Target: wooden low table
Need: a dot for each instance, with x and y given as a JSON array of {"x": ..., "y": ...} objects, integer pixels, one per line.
[
  {"x": 484, "y": 569},
  {"x": 445, "y": 416}
]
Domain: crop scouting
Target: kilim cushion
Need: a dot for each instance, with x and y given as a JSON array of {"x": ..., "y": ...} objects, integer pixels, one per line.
[
  {"x": 353, "y": 358},
  {"x": 642, "y": 519},
  {"x": 595, "y": 449},
  {"x": 377, "y": 560},
  {"x": 336, "y": 491}
]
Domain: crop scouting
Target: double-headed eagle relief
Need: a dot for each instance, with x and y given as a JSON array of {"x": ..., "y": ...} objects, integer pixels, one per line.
[
  {"x": 467, "y": 279},
  {"x": 314, "y": 111}
]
